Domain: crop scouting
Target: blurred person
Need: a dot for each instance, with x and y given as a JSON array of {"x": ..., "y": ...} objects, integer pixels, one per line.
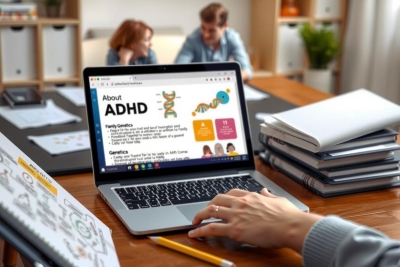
[
  {"x": 214, "y": 41},
  {"x": 130, "y": 45}
]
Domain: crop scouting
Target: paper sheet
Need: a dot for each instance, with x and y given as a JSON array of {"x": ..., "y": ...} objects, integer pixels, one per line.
[
  {"x": 38, "y": 116},
  {"x": 74, "y": 94},
  {"x": 262, "y": 115},
  {"x": 251, "y": 94},
  {"x": 62, "y": 143}
]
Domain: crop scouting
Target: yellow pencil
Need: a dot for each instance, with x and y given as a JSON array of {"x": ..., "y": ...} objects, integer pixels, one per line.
[{"x": 191, "y": 252}]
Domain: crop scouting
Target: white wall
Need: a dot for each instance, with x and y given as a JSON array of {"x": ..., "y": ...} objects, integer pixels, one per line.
[{"x": 158, "y": 13}]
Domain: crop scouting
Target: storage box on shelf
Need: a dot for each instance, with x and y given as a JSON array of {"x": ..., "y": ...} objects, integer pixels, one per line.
[
  {"x": 276, "y": 39},
  {"x": 43, "y": 51}
]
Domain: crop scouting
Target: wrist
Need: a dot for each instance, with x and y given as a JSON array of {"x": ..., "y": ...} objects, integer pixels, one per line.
[
  {"x": 123, "y": 61},
  {"x": 298, "y": 227}
]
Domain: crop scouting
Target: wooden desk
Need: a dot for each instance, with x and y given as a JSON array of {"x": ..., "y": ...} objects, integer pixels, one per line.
[{"x": 379, "y": 209}]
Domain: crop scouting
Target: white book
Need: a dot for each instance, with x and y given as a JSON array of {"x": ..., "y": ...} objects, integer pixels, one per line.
[
  {"x": 46, "y": 215},
  {"x": 332, "y": 121}
]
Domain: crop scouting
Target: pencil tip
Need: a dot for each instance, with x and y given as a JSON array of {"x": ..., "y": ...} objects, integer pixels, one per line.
[{"x": 153, "y": 238}]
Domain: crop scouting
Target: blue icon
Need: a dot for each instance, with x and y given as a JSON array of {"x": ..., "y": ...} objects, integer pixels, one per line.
[{"x": 149, "y": 165}]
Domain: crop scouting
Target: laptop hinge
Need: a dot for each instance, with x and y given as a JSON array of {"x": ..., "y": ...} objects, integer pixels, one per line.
[{"x": 177, "y": 177}]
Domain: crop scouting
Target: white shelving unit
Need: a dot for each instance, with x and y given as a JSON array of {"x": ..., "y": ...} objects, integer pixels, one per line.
[
  {"x": 277, "y": 41},
  {"x": 43, "y": 52}
]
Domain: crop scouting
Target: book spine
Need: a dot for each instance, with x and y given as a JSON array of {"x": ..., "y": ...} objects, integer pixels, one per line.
[
  {"x": 308, "y": 182},
  {"x": 306, "y": 179}
]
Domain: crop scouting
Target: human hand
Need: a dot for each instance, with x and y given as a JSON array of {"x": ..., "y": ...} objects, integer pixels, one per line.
[
  {"x": 263, "y": 220},
  {"x": 125, "y": 55},
  {"x": 245, "y": 76}
]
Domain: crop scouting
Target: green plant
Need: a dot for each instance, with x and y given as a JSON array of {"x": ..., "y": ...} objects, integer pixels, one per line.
[
  {"x": 51, "y": 2},
  {"x": 321, "y": 45}
]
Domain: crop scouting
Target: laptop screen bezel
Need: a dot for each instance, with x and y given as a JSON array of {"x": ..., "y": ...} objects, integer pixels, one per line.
[{"x": 105, "y": 178}]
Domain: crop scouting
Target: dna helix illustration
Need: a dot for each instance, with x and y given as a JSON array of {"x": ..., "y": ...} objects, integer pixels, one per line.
[
  {"x": 169, "y": 104},
  {"x": 222, "y": 97}
]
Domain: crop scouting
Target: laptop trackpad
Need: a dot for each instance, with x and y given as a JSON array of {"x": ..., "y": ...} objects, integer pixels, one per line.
[{"x": 189, "y": 211}]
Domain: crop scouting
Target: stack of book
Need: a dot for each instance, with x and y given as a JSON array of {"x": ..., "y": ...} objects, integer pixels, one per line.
[
  {"x": 337, "y": 146},
  {"x": 18, "y": 11}
]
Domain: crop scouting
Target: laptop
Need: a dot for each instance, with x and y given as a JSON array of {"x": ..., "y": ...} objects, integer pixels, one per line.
[{"x": 165, "y": 139}]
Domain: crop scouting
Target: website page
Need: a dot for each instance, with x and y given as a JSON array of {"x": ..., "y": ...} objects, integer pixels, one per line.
[{"x": 165, "y": 120}]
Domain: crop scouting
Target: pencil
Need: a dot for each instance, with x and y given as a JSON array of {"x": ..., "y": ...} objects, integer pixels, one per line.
[{"x": 192, "y": 252}]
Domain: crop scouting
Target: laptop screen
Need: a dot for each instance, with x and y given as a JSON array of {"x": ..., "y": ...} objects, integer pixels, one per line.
[{"x": 162, "y": 122}]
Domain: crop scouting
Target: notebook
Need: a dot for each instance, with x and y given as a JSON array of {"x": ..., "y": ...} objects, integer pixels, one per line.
[
  {"x": 334, "y": 159},
  {"x": 320, "y": 126},
  {"x": 165, "y": 139},
  {"x": 43, "y": 221}
]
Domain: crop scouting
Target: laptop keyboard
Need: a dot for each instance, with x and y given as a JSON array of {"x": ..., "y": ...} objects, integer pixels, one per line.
[{"x": 165, "y": 194}]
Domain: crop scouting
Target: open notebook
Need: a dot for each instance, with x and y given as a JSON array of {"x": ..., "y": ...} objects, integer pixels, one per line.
[
  {"x": 47, "y": 216},
  {"x": 322, "y": 125}
]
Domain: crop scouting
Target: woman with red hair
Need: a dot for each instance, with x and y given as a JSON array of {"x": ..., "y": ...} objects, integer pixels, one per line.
[{"x": 130, "y": 45}]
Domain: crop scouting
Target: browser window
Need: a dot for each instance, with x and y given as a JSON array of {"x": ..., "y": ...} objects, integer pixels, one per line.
[{"x": 154, "y": 121}]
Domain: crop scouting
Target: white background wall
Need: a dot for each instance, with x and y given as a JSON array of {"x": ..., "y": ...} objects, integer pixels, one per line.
[{"x": 159, "y": 13}]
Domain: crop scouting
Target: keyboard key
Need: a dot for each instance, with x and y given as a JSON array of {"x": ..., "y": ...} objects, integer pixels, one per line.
[
  {"x": 136, "y": 202},
  {"x": 131, "y": 199},
  {"x": 172, "y": 198},
  {"x": 165, "y": 203},
  {"x": 154, "y": 203},
  {"x": 120, "y": 191},
  {"x": 254, "y": 182},
  {"x": 162, "y": 186},
  {"x": 144, "y": 206},
  {"x": 255, "y": 188},
  {"x": 205, "y": 197},
  {"x": 129, "y": 190},
  {"x": 126, "y": 195},
  {"x": 184, "y": 201}
]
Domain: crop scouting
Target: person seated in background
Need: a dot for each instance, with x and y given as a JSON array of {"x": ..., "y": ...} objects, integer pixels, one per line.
[
  {"x": 130, "y": 45},
  {"x": 214, "y": 41},
  {"x": 269, "y": 221}
]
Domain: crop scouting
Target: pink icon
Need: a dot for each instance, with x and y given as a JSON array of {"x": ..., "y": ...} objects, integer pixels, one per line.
[{"x": 226, "y": 128}]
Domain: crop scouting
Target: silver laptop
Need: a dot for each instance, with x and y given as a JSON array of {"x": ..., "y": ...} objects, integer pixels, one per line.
[{"x": 165, "y": 139}]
